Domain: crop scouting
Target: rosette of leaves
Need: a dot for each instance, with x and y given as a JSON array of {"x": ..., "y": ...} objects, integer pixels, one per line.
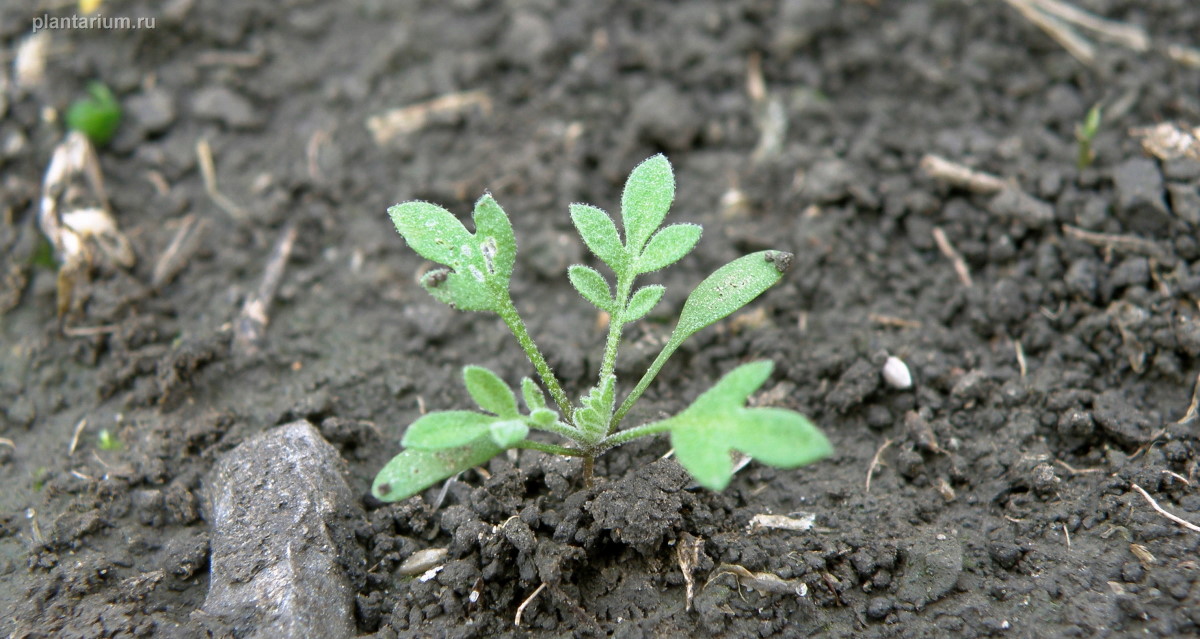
[{"x": 474, "y": 272}]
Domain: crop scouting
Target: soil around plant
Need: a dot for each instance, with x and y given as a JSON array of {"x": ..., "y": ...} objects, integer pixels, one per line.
[{"x": 1048, "y": 318}]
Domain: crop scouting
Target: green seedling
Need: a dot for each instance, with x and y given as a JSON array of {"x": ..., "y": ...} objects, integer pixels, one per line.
[
  {"x": 475, "y": 277},
  {"x": 1085, "y": 133},
  {"x": 106, "y": 440},
  {"x": 95, "y": 116}
]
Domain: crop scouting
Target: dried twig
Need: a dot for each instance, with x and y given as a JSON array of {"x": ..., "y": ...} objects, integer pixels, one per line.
[
  {"x": 1187, "y": 56},
  {"x": 251, "y": 325},
  {"x": 875, "y": 462},
  {"x": 1020, "y": 353},
  {"x": 75, "y": 437},
  {"x": 208, "y": 171},
  {"x": 947, "y": 249},
  {"x": 1154, "y": 504},
  {"x": 1119, "y": 33},
  {"x": 387, "y": 127},
  {"x": 183, "y": 245},
  {"x": 893, "y": 321},
  {"x": 1171, "y": 473},
  {"x": 525, "y": 604},
  {"x": 1056, "y": 28},
  {"x": 1169, "y": 141},
  {"x": 90, "y": 331},
  {"x": 1194, "y": 407},
  {"x": 4, "y": 441},
  {"x": 1121, "y": 243},
  {"x": 761, "y": 581},
  {"x": 1077, "y": 471},
  {"x": 313, "y": 154},
  {"x": 687, "y": 552},
  {"x": 962, "y": 176}
]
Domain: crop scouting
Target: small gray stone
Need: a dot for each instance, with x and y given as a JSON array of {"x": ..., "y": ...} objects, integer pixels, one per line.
[
  {"x": 829, "y": 180},
  {"x": 1120, "y": 420},
  {"x": 226, "y": 107},
  {"x": 665, "y": 116},
  {"x": 1140, "y": 203},
  {"x": 1013, "y": 203},
  {"x": 1185, "y": 202},
  {"x": 282, "y": 539},
  {"x": 931, "y": 570},
  {"x": 152, "y": 112}
]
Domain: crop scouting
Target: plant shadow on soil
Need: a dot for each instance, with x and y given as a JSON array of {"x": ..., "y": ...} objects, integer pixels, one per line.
[{"x": 1001, "y": 499}]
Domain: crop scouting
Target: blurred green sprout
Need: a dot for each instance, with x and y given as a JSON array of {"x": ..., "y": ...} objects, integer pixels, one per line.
[{"x": 97, "y": 115}]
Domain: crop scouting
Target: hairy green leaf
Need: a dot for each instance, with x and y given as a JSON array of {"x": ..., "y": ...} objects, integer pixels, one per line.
[
  {"x": 642, "y": 301},
  {"x": 599, "y": 233},
  {"x": 489, "y": 391},
  {"x": 668, "y": 246},
  {"x": 592, "y": 286},
  {"x": 432, "y": 231},
  {"x": 542, "y": 417},
  {"x": 446, "y": 429},
  {"x": 534, "y": 397},
  {"x": 479, "y": 264},
  {"x": 497, "y": 244},
  {"x": 413, "y": 470},
  {"x": 645, "y": 201},
  {"x": 718, "y": 421},
  {"x": 507, "y": 432},
  {"x": 729, "y": 288}
]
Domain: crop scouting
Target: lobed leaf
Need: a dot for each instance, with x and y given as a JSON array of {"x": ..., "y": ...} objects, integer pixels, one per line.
[
  {"x": 414, "y": 470},
  {"x": 729, "y": 288},
  {"x": 592, "y": 286},
  {"x": 507, "y": 432},
  {"x": 479, "y": 265},
  {"x": 646, "y": 200},
  {"x": 599, "y": 233},
  {"x": 489, "y": 391},
  {"x": 718, "y": 421},
  {"x": 668, "y": 246},
  {"x": 446, "y": 429},
  {"x": 643, "y": 301}
]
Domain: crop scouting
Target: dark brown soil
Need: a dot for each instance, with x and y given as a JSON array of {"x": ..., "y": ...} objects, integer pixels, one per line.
[{"x": 1003, "y": 500}]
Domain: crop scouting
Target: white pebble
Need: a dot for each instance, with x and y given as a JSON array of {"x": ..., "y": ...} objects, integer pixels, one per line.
[{"x": 895, "y": 373}]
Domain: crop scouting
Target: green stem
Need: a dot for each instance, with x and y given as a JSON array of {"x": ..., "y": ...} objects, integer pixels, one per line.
[
  {"x": 651, "y": 373},
  {"x": 645, "y": 430},
  {"x": 615, "y": 325},
  {"x": 512, "y": 319},
  {"x": 550, "y": 448}
]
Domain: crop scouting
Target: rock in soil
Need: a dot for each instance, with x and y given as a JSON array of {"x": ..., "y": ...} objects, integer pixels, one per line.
[{"x": 282, "y": 540}]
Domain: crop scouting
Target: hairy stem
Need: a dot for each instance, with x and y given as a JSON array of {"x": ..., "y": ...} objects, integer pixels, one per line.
[
  {"x": 616, "y": 324},
  {"x": 645, "y": 430},
  {"x": 512, "y": 319},
  {"x": 637, "y": 391},
  {"x": 550, "y": 448}
]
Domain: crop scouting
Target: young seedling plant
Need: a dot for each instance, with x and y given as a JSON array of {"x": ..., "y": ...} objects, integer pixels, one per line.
[{"x": 475, "y": 277}]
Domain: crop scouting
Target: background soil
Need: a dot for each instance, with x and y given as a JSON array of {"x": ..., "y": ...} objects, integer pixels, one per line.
[{"x": 1004, "y": 503}]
